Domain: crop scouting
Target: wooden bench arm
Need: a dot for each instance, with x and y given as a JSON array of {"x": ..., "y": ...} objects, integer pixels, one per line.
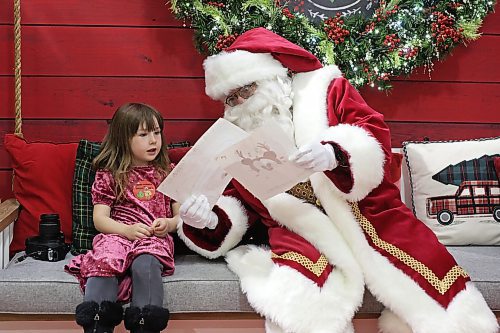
[{"x": 9, "y": 210}]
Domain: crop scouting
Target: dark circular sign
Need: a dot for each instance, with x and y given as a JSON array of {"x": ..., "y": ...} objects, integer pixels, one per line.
[{"x": 319, "y": 10}]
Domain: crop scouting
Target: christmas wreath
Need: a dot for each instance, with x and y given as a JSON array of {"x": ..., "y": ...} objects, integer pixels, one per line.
[{"x": 398, "y": 37}]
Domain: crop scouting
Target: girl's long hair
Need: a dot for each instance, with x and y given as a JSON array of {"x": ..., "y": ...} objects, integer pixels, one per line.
[{"x": 116, "y": 155}]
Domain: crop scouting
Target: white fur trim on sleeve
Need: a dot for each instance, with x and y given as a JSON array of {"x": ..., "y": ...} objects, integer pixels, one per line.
[
  {"x": 366, "y": 157},
  {"x": 239, "y": 220}
]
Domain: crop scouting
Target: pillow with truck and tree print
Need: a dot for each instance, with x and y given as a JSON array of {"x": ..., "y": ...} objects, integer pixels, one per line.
[{"x": 455, "y": 188}]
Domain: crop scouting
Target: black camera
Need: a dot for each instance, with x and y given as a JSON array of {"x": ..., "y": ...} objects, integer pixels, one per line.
[{"x": 49, "y": 244}]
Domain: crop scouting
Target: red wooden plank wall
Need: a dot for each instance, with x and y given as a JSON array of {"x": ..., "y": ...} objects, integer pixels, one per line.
[{"x": 82, "y": 59}]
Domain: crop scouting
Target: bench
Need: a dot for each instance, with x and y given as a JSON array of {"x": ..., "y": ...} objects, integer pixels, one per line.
[{"x": 199, "y": 289}]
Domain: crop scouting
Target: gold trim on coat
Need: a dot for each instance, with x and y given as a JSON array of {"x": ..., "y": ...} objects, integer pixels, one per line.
[
  {"x": 441, "y": 285},
  {"x": 317, "y": 268}
]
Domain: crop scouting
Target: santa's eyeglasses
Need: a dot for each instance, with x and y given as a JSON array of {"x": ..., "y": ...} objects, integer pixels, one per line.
[{"x": 244, "y": 92}]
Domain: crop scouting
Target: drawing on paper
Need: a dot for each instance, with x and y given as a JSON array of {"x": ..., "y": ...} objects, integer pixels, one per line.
[{"x": 265, "y": 158}]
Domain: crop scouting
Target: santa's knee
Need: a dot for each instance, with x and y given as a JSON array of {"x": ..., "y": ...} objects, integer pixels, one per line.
[
  {"x": 272, "y": 327},
  {"x": 349, "y": 328},
  {"x": 389, "y": 322}
]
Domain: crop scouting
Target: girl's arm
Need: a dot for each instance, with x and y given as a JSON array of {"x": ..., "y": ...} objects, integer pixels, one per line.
[
  {"x": 172, "y": 225},
  {"x": 105, "y": 224},
  {"x": 162, "y": 226}
]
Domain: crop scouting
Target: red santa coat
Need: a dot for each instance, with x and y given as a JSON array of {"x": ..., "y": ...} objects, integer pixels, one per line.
[{"x": 311, "y": 278}]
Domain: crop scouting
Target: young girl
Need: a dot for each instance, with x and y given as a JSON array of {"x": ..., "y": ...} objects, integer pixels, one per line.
[{"x": 134, "y": 249}]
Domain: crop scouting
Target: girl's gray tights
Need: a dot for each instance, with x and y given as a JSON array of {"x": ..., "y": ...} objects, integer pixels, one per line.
[{"x": 147, "y": 286}]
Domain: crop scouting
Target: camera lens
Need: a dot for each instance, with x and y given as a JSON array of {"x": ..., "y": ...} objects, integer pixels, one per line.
[{"x": 50, "y": 227}]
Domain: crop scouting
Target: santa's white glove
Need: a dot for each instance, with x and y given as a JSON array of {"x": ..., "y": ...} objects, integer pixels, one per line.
[
  {"x": 196, "y": 212},
  {"x": 315, "y": 156}
]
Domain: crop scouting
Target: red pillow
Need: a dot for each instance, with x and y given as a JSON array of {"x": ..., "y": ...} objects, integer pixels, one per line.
[
  {"x": 176, "y": 154},
  {"x": 395, "y": 173},
  {"x": 43, "y": 177},
  {"x": 496, "y": 163}
]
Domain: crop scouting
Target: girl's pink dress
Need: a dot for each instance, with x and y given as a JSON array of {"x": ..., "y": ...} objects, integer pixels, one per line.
[{"x": 112, "y": 254}]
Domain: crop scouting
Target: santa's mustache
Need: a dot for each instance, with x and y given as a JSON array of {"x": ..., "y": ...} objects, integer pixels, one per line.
[{"x": 271, "y": 100}]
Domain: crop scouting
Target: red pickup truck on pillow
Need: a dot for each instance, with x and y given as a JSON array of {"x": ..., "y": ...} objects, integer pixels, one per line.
[{"x": 477, "y": 197}]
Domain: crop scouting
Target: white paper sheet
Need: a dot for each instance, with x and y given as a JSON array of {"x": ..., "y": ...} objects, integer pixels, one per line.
[
  {"x": 260, "y": 162},
  {"x": 198, "y": 172}
]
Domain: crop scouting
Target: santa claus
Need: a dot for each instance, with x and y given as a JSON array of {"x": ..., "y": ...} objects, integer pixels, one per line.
[{"x": 345, "y": 227}]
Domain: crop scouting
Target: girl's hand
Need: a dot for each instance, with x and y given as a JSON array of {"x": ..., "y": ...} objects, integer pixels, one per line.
[
  {"x": 137, "y": 231},
  {"x": 162, "y": 226}
]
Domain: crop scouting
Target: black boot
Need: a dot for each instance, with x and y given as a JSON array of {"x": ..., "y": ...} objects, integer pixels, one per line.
[
  {"x": 149, "y": 319},
  {"x": 95, "y": 318}
]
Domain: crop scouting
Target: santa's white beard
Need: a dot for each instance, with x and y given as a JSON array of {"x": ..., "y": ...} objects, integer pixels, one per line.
[{"x": 271, "y": 101}]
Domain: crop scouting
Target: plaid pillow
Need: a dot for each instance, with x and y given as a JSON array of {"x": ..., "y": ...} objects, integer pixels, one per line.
[{"x": 83, "y": 224}]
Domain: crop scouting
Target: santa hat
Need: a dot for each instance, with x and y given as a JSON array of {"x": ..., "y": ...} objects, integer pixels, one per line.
[{"x": 258, "y": 54}]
